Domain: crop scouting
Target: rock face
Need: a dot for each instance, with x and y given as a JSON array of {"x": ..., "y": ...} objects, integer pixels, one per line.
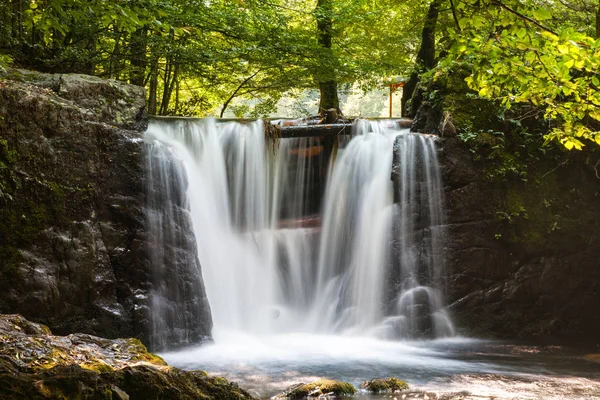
[
  {"x": 34, "y": 364},
  {"x": 180, "y": 311},
  {"x": 523, "y": 258},
  {"x": 73, "y": 246}
]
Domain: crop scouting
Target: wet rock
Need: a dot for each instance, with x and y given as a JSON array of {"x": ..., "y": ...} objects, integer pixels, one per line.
[
  {"x": 509, "y": 274},
  {"x": 319, "y": 388},
  {"x": 112, "y": 102},
  {"x": 32, "y": 347},
  {"x": 73, "y": 229},
  {"x": 38, "y": 365},
  {"x": 384, "y": 385}
]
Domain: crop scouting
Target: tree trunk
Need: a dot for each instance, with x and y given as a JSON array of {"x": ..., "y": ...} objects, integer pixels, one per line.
[
  {"x": 176, "y": 110},
  {"x": 169, "y": 86},
  {"x": 153, "y": 87},
  {"x": 328, "y": 96},
  {"x": 598, "y": 21},
  {"x": 425, "y": 56},
  {"x": 137, "y": 57},
  {"x": 164, "y": 104},
  {"x": 327, "y": 82}
]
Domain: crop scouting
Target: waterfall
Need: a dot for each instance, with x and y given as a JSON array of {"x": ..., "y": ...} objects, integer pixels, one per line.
[{"x": 280, "y": 251}]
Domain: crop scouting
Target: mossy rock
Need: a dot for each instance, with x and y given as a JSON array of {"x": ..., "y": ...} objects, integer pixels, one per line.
[
  {"x": 36, "y": 365},
  {"x": 384, "y": 385},
  {"x": 320, "y": 387}
]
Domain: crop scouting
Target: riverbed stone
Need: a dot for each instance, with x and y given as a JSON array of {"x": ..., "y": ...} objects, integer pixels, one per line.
[
  {"x": 379, "y": 385},
  {"x": 319, "y": 388}
]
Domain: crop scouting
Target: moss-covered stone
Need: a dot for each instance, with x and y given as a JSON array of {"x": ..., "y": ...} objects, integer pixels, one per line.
[
  {"x": 320, "y": 387},
  {"x": 384, "y": 385},
  {"x": 34, "y": 364}
]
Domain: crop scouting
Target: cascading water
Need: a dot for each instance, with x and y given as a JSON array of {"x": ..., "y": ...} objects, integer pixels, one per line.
[
  {"x": 270, "y": 265},
  {"x": 417, "y": 263}
]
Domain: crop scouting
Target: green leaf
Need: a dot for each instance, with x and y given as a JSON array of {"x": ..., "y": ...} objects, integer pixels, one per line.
[{"x": 542, "y": 14}]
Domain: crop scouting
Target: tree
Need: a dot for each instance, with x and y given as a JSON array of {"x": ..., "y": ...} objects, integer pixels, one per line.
[{"x": 198, "y": 58}]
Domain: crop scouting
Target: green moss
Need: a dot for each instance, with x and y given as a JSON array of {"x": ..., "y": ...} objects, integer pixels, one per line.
[
  {"x": 320, "y": 387},
  {"x": 97, "y": 366},
  {"x": 142, "y": 353},
  {"x": 471, "y": 115},
  {"x": 552, "y": 205},
  {"x": 384, "y": 385}
]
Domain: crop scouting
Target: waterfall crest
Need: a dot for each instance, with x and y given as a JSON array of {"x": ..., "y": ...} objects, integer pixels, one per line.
[{"x": 369, "y": 263}]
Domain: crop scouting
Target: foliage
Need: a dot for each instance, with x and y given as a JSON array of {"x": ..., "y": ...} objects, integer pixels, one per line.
[
  {"x": 195, "y": 57},
  {"x": 515, "y": 59},
  {"x": 5, "y": 62},
  {"x": 198, "y": 57}
]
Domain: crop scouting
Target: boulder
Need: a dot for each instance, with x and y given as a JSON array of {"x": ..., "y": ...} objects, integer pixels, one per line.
[
  {"x": 384, "y": 385},
  {"x": 522, "y": 250},
  {"x": 34, "y": 364},
  {"x": 319, "y": 388}
]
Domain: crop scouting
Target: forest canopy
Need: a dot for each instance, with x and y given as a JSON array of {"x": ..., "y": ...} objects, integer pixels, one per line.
[{"x": 197, "y": 57}]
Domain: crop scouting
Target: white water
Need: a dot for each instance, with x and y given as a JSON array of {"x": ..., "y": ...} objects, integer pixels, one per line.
[{"x": 263, "y": 279}]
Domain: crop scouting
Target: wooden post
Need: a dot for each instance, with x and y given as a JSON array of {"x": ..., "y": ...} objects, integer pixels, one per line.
[
  {"x": 330, "y": 142},
  {"x": 393, "y": 88},
  {"x": 391, "y": 93},
  {"x": 331, "y": 116}
]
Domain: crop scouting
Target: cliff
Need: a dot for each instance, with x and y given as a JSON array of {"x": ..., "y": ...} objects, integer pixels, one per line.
[{"x": 74, "y": 245}]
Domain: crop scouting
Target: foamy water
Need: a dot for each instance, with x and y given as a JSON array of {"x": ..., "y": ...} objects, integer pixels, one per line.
[{"x": 266, "y": 365}]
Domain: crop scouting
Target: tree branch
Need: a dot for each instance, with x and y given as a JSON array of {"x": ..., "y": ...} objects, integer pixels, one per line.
[
  {"x": 524, "y": 17},
  {"x": 454, "y": 14},
  {"x": 241, "y": 85}
]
